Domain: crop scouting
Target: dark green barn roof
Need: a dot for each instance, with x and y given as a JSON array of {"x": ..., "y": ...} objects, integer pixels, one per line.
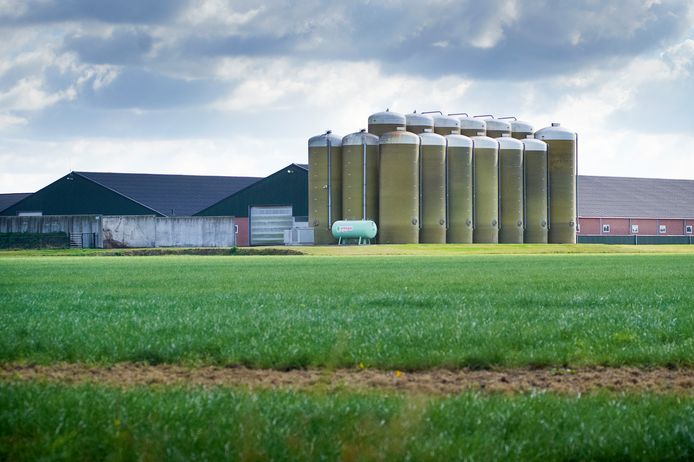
[
  {"x": 9, "y": 199},
  {"x": 288, "y": 186},
  {"x": 95, "y": 193}
]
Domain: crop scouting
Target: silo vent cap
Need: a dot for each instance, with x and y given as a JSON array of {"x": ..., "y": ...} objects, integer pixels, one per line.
[
  {"x": 400, "y": 129},
  {"x": 556, "y": 124},
  {"x": 505, "y": 134},
  {"x": 428, "y": 130},
  {"x": 363, "y": 130}
]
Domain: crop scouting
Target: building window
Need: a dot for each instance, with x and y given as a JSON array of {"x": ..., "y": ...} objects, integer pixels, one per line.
[
  {"x": 236, "y": 229},
  {"x": 662, "y": 229},
  {"x": 634, "y": 229},
  {"x": 605, "y": 228},
  {"x": 578, "y": 227},
  {"x": 688, "y": 229}
]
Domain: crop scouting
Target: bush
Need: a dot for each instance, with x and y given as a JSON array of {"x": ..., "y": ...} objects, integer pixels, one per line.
[{"x": 34, "y": 240}]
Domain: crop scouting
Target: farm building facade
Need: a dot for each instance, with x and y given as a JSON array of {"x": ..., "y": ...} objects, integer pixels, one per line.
[{"x": 611, "y": 209}]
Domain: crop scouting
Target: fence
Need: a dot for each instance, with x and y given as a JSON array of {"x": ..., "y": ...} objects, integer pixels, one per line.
[{"x": 635, "y": 240}]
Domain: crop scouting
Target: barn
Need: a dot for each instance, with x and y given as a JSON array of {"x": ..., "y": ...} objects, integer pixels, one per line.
[{"x": 617, "y": 210}]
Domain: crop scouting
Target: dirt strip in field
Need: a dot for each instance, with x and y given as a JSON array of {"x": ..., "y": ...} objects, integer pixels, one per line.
[{"x": 438, "y": 381}]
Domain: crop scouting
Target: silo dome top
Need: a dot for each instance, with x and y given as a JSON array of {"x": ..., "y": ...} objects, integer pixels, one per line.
[
  {"x": 446, "y": 121},
  {"x": 432, "y": 139},
  {"x": 470, "y": 123},
  {"x": 506, "y": 142},
  {"x": 387, "y": 117},
  {"x": 532, "y": 144},
  {"x": 359, "y": 138},
  {"x": 399, "y": 137},
  {"x": 555, "y": 132},
  {"x": 496, "y": 124},
  {"x": 459, "y": 141},
  {"x": 518, "y": 126},
  {"x": 484, "y": 142},
  {"x": 419, "y": 120},
  {"x": 322, "y": 140}
]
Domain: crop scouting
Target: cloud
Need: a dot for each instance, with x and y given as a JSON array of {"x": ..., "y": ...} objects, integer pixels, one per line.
[
  {"x": 121, "y": 46},
  {"x": 121, "y": 11}
]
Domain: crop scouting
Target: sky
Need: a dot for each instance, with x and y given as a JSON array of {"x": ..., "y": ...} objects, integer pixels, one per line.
[{"x": 214, "y": 87}]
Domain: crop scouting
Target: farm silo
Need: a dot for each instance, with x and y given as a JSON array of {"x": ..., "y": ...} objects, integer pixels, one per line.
[
  {"x": 470, "y": 126},
  {"x": 561, "y": 153},
  {"x": 459, "y": 192},
  {"x": 511, "y": 190},
  {"x": 446, "y": 125},
  {"x": 433, "y": 188},
  {"x": 417, "y": 123},
  {"x": 324, "y": 185},
  {"x": 535, "y": 167},
  {"x": 496, "y": 128},
  {"x": 520, "y": 130},
  {"x": 398, "y": 188},
  {"x": 386, "y": 121},
  {"x": 485, "y": 159},
  {"x": 360, "y": 176}
]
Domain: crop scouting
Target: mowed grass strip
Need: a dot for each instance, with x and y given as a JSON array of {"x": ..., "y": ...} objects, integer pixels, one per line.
[
  {"x": 58, "y": 422},
  {"x": 404, "y": 313}
]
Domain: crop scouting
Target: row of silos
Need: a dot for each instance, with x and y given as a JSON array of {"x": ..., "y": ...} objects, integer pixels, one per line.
[{"x": 421, "y": 180}]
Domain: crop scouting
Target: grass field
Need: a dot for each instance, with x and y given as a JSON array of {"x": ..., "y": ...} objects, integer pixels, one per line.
[
  {"x": 388, "y": 308},
  {"x": 217, "y": 424},
  {"x": 385, "y": 312}
]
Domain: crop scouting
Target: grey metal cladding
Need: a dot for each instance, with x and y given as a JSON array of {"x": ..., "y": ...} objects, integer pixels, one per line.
[{"x": 614, "y": 197}]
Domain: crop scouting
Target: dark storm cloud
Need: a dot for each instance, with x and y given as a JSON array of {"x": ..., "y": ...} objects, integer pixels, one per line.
[
  {"x": 110, "y": 11},
  {"x": 125, "y": 45}
]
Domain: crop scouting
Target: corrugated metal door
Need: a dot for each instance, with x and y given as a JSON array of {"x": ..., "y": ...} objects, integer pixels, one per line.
[{"x": 269, "y": 223}]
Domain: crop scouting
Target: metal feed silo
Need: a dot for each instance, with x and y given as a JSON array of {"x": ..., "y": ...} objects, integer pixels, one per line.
[
  {"x": 535, "y": 167},
  {"x": 432, "y": 188},
  {"x": 520, "y": 130},
  {"x": 417, "y": 123},
  {"x": 360, "y": 176},
  {"x": 459, "y": 192},
  {"x": 398, "y": 188},
  {"x": 446, "y": 125},
  {"x": 485, "y": 166},
  {"x": 496, "y": 128},
  {"x": 324, "y": 185},
  {"x": 511, "y": 190},
  {"x": 561, "y": 154},
  {"x": 470, "y": 126},
  {"x": 384, "y": 122}
]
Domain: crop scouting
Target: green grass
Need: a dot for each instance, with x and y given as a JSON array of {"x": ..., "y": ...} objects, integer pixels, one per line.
[
  {"x": 387, "y": 312},
  {"x": 56, "y": 422}
]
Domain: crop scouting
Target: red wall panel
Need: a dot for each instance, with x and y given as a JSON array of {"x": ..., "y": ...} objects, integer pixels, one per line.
[{"x": 242, "y": 234}]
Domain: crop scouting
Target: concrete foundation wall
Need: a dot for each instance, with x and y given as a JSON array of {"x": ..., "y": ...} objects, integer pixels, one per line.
[
  {"x": 143, "y": 231},
  {"x": 51, "y": 224},
  {"x": 131, "y": 231}
]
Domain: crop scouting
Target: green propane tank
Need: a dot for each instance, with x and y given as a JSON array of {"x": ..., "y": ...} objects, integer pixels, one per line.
[{"x": 361, "y": 230}]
